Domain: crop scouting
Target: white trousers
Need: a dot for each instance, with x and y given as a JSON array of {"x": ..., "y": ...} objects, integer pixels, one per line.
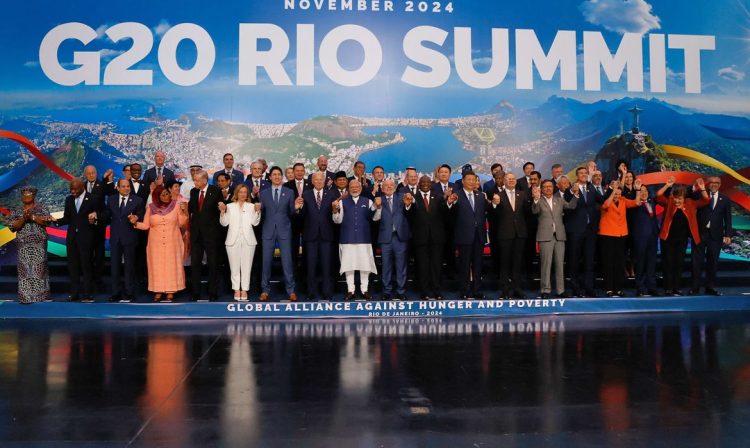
[
  {"x": 240, "y": 262},
  {"x": 364, "y": 280}
]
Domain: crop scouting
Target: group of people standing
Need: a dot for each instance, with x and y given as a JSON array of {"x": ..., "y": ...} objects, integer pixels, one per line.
[{"x": 327, "y": 224}]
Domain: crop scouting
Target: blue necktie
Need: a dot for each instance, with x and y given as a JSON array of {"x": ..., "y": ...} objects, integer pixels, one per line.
[
  {"x": 78, "y": 203},
  {"x": 276, "y": 195}
]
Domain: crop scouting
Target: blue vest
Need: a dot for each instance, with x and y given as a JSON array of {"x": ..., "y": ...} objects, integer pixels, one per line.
[{"x": 355, "y": 228}]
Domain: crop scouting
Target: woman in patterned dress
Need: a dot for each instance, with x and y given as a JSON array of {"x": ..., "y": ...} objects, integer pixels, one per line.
[
  {"x": 164, "y": 219},
  {"x": 29, "y": 222}
]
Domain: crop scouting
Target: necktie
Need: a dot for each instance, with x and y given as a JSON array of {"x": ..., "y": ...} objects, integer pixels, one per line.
[
  {"x": 714, "y": 200},
  {"x": 512, "y": 197},
  {"x": 200, "y": 200},
  {"x": 648, "y": 208},
  {"x": 426, "y": 201},
  {"x": 317, "y": 199},
  {"x": 78, "y": 203},
  {"x": 390, "y": 203},
  {"x": 471, "y": 200},
  {"x": 158, "y": 172},
  {"x": 299, "y": 187},
  {"x": 122, "y": 202},
  {"x": 276, "y": 195},
  {"x": 445, "y": 187},
  {"x": 583, "y": 193},
  {"x": 257, "y": 183},
  {"x": 90, "y": 186},
  {"x": 599, "y": 190}
]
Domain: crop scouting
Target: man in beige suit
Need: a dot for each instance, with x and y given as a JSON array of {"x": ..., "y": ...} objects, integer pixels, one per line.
[{"x": 550, "y": 235}]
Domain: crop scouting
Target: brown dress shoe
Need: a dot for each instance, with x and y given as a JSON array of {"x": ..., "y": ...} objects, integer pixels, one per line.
[
  {"x": 292, "y": 297},
  {"x": 264, "y": 297}
]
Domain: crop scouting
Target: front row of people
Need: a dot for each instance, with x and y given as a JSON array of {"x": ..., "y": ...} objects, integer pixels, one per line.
[{"x": 419, "y": 221}]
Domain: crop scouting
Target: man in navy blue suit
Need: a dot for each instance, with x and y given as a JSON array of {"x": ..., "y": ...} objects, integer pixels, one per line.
[
  {"x": 79, "y": 216},
  {"x": 393, "y": 237},
  {"x": 158, "y": 172},
  {"x": 279, "y": 207},
  {"x": 123, "y": 239},
  {"x": 645, "y": 233},
  {"x": 318, "y": 236},
  {"x": 257, "y": 183},
  {"x": 715, "y": 225},
  {"x": 255, "y": 180},
  {"x": 235, "y": 176},
  {"x": 582, "y": 227},
  {"x": 493, "y": 185},
  {"x": 467, "y": 206}
]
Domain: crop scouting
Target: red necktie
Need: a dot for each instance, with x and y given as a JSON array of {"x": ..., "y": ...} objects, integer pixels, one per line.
[
  {"x": 426, "y": 203},
  {"x": 200, "y": 201}
]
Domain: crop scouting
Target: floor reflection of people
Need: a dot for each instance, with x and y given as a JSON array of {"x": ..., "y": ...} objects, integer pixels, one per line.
[{"x": 240, "y": 409}]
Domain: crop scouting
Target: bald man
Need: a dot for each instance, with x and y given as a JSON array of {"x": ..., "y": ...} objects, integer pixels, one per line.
[{"x": 158, "y": 173}]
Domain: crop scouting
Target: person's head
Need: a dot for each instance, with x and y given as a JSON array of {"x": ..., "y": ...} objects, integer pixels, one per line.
[
  {"x": 591, "y": 166},
  {"x": 289, "y": 173},
  {"x": 411, "y": 177},
  {"x": 535, "y": 177},
  {"x": 174, "y": 189},
  {"x": 299, "y": 171},
  {"x": 359, "y": 168},
  {"x": 425, "y": 184},
  {"x": 276, "y": 176},
  {"x": 548, "y": 187},
  {"x": 528, "y": 167},
  {"x": 90, "y": 173},
  {"x": 76, "y": 187},
  {"x": 378, "y": 174},
  {"x": 355, "y": 188},
  {"x": 256, "y": 169},
  {"x": 388, "y": 187},
  {"x": 643, "y": 194},
  {"x": 123, "y": 187},
  {"x": 228, "y": 160},
  {"x": 596, "y": 178},
  {"x": 444, "y": 173},
  {"x": 318, "y": 180},
  {"x": 714, "y": 184},
  {"x": 161, "y": 196},
  {"x": 223, "y": 180},
  {"x": 340, "y": 180},
  {"x": 510, "y": 181},
  {"x": 200, "y": 179},
  {"x": 563, "y": 183},
  {"x": 28, "y": 194},
  {"x": 466, "y": 169},
  {"x": 159, "y": 158},
  {"x": 264, "y": 164},
  {"x": 322, "y": 163},
  {"x": 616, "y": 193},
  {"x": 495, "y": 168},
  {"x": 126, "y": 172},
  {"x": 622, "y": 166},
  {"x": 556, "y": 170},
  {"x": 241, "y": 193},
  {"x": 678, "y": 195},
  {"x": 135, "y": 171},
  {"x": 582, "y": 175},
  {"x": 469, "y": 180},
  {"x": 628, "y": 179},
  {"x": 194, "y": 169}
]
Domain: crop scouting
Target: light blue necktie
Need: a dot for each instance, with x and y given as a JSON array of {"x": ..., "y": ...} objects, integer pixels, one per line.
[
  {"x": 78, "y": 203},
  {"x": 471, "y": 200}
]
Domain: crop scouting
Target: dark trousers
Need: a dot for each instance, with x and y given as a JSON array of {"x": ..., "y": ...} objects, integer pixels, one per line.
[
  {"x": 496, "y": 252},
  {"x": 318, "y": 253},
  {"x": 298, "y": 260},
  {"x": 673, "y": 259},
  {"x": 706, "y": 256},
  {"x": 117, "y": 252},
  {"x": 429, "y": 261},
  {"x": 511, "y": 263},
  {"x": 98, "y": 252},
  {"x": 199, "y": 246},
  {"x": 470, "y": 267},
  {"x": 644, "y": 250},
  {"x": 256, "y": 271},
  {"x": 79, "y": 265},
  {"x": 581, "y": 252},
  {"x": 613, "y": 251},
  {"x": 529, "y": 253},
  {"x": 394, "y": 258}
]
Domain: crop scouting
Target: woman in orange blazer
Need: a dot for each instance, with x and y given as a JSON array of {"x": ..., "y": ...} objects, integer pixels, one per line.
[
  {"x": 613, "y": 231},
  {"x": 680, "y": 222}
]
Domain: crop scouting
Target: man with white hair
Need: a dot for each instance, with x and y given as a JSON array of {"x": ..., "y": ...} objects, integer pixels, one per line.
[
  {"x": 158, "y": 173},
  {"x": 355, "y": 212}
]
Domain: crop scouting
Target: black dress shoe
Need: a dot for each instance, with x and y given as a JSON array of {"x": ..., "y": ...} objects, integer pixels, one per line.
[
  {"x": 620, "y": 293},
  {"x": 677, "y": 293},
  {"x": 668, "y": 293},
  {"x": 424, "y": 297},
  {"x": 402, "y": 297},
  {"x": 310, "y": 299},
  {"x": 127, "y": 298},
  {"x": 114, "y": 298},
  {"x": 712, "y": 292},
  {"x": 610, "y": 294},
  {"x": 590, "y": 293},
  {"x": 327, "y": 298},
  {"x": 212, "y": 298},
  {"x": 74, "y": 298},
  {"x": 349, "y": 296},
  {"x": 478, "y": 296},
  {"x": 366, "y": 295},
  {"x": 695, "y": 292},
  {"x": 562, "y": 295},
  {"x": 87, "y": 299},
  {"x": 653, "y": 293},
  {"x": 196, "y": 297},
  {"x": 438, "y": 296},
  {"x": 386, "y": 297},
  {"x": 640, "y": 293}
]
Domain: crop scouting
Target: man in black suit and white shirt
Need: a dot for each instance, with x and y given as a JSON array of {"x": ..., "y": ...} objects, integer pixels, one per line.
[
  {"x": 509, "y": 215},
  {"x": 205, "y": 231},
  {"x": 428, "y": 221},
  {"x": 524, "y": 181},
  {"x": 715, "y": 225},
  {"x": 99, "y": 190},
  {"x": 298, "y": 185},
  {"x": 158, "y": 172}
]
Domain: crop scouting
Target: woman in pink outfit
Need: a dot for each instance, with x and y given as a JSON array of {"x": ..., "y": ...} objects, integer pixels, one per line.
[{"x": 164, "y": 219}]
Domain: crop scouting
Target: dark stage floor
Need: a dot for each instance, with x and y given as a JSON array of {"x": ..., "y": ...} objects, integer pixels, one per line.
[{"x": 674, "y": 380}]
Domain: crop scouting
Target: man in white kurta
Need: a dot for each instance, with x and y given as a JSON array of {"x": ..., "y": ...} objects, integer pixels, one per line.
[{"x": 354, "y": 213}]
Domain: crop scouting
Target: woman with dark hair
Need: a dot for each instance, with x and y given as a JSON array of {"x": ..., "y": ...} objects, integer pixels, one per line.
[
  {"x": 613, "y": 233},
  {"x": 29, "y": 222},
  {"x": 621, "y": 168},
  {"x": 680, "y": 222},
  {"x": 164, "y": 219},
  {"x": 629, "y": 191}
]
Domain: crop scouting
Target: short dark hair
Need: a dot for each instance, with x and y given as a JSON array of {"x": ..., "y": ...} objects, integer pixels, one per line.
[
  {"x": 547, "y": 181},
  {"x": 528, "y": 163},
  {"x": 298, "y": 164},
  {"x": 495, "y": 165},
  {"x": 225, "y": 176},
  {"x": 276, "y": 168},
  {"x": 536, "y": 173},
  {"x": 467, "y": 173},
  {"x": 410, "y": 168},
  {"x": 359, "y": 162},
  {"x": 376, "y": 167},
  {"x": 227, "y": 154},
  {"x": 555, "y": 166},
  {"x": 581, "y": 168},
  {"x": 445, "y": 165}
]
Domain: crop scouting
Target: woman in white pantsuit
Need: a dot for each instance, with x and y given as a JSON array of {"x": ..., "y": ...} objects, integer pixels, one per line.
[{"x": 240, "y": 216}]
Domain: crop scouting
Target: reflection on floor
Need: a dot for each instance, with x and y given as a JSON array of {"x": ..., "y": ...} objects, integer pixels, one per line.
[{"x": 677, "y": 380}]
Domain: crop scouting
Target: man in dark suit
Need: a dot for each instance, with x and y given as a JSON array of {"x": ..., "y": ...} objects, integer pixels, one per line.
[
  {"x": 524, "y": 181},
  {"x": 715, "y": 225},
  {"x": 492, "y": 185},
  {"x": 298, "y": 185},
  {"x": 428, "y": 220},
  {"x": 158, "y": 172},
  {"x": 359, "y": 174},
  {"x": 137, "y": 185},
  {"x": 318, "y": 236},
  {"x": 442, "y": 184},
  {"x": 444, "y": 187},
  {"x": 123, "y": 239},
  {"x": 279, "y": 208},
  {"x": 223, "y": 182},
  {"x": 205, "y": 232},
  {"x": 138, "y": 188},
  {"x": 410, "y": 182},
  {"x": 235, "y": 176},
  {"x": 532, "y": 221},
  {"x": 509, "y": 210},
  {"x": 323, "y": 168},
  {"x": 256, "y": 181},
  {"x": 582, "y": 228},
  {"x": 98, "y": 190},
  {"x": 393, "y": 237},
  {"x": 79, "y": 215},
  {"x": 492, "y": 188},
  {"x": 645, "y": 233},
  {"x": 468, "y": 210}
]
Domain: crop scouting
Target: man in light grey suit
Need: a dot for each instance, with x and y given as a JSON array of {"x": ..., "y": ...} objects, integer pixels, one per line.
[{"x": 550, "y": 233}]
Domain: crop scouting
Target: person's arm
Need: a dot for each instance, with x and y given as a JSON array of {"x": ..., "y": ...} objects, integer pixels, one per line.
[
  {"x": 146, "y": 223},
  {"x": 632, "y": 203},
  {"x": 255, "y": 214},
  {"x": 338, "y": 212},
  {"x": 182, "y": 218},
  {"x": 660, "y": 198},
  {"x": 224, "y": 216}
]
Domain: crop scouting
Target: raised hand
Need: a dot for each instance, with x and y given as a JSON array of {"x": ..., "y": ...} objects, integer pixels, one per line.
[
  {"x": 379, "y": 202},
  {"x": 575, "y": 189},
  {"x": 336, "y": 205},
  {"x": 536, "y": 193},
  {"x": 615, "y": 184},
  {"x": 448, "y": 191},
  {"x": 256, "y": 190},
  {"x": 92, "y": 217},
  {"x": 638, "y": 184},
  {"x": 299, "y": 203},
  {"x": 408, "y": 199},
  {"x": 670, "y": 181},
  {"x": 109, "y": 175},
  {"x": 222, "y": 207},
  {"x": 452, "y": 198},
  {"x": 700, "y": 183}
]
